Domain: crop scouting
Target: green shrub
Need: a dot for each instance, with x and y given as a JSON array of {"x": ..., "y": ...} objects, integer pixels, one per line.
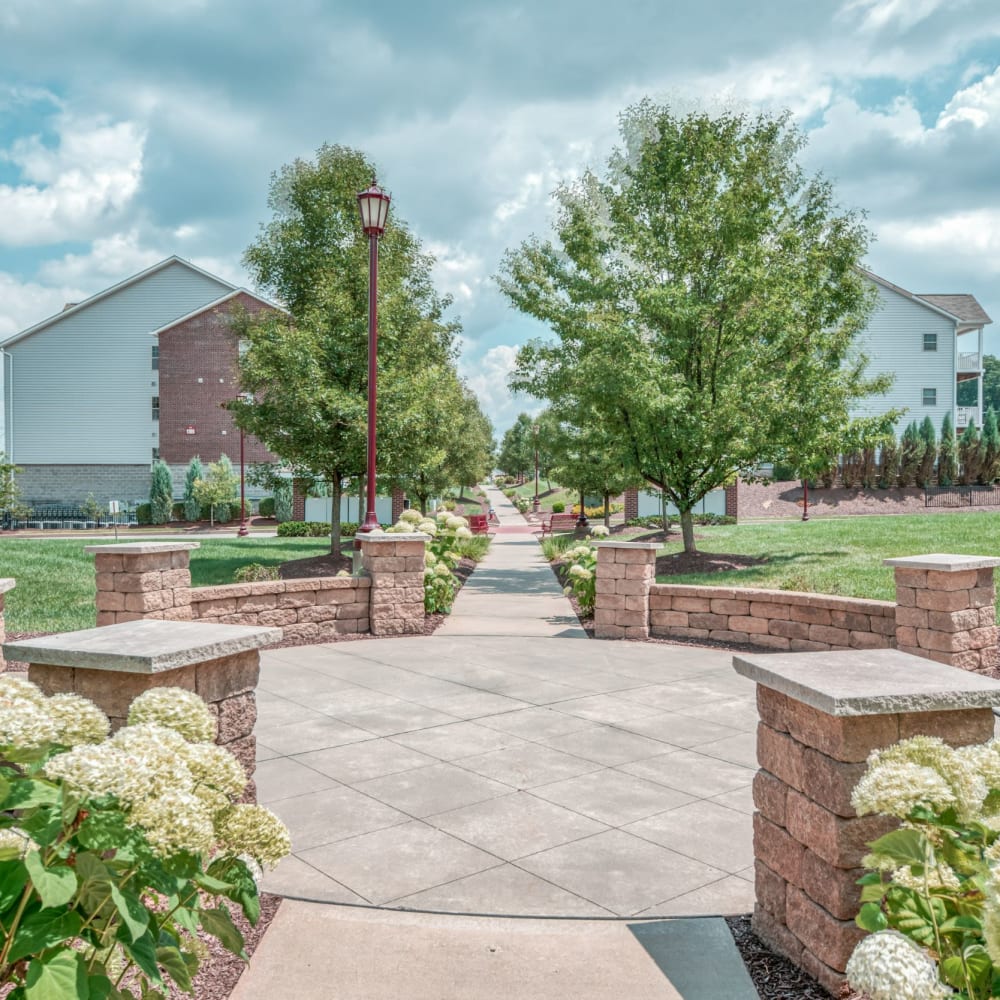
[
  {"x": 708, "y": 519},
  {"x": 223, "y": 513},
  {"x": 177, "y": 512},
  {"x": 558, "y": 507},
  {"x": 283, "y": 501},
  {"x": 253, "y": 572},
  {"x": 304, "y": 529},
  {"x": 192, "y": 508},
  {"x": 555, "y": 545},
  {"x": 649, "y": 521},
  {"x": 161, "y": 493},
  {"x": 580, "y": 567},
  {"x": 266, "y": 507},
  {"x": 348, "y": 528},
  {"x": 144, "y": 514}
]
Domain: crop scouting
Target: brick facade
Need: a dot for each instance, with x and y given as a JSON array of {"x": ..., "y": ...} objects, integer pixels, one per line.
[{"x": 198, "y": 373}]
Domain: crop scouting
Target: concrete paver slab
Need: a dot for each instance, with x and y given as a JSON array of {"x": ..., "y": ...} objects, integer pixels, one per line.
[
  {"x": 528, "y": 765},
  {"x": 458, "y": 739},
  {"x": 607, "y": 745},
  {"x": 359, "y": 762},
  {"x": 437, "y": 788},
  {"x": 283, "y": 777},
  {"x": 692, "y": 772}
]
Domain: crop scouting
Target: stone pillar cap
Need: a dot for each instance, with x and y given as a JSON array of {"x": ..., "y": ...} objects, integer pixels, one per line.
[
  {"x": 141, "y": 548},
  {"x": 943, "y": 563},
  {"x": 645, "y": 546},
  {"x": 145, "y": 646},
  {"x": 395, "y": 536},
  {"x": 7, "y": 583},
  {"x": 869, "y": 682}
]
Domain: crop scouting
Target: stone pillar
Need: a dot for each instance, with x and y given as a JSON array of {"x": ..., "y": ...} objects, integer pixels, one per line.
[
  {"x": 6, "y": 583},
  {"x": 631, "y": 501},
  {"x": 113, "y": 665},
  {"x": 821, "y": 714},
  {"x": 625, "y": 572},
  {"x": 395, "y": 565},
  {"x": 298, "y": 499},
  {"x": 143, "y": 580},
  {"x": 398, "y": 504},
  {"x": 732, "y": 500},
  {"x": 945, "y": 609}
]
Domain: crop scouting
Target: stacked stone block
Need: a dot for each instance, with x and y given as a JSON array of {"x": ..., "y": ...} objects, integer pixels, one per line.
[
  {"x": 945, "y": 609},
  {"x": 143, "y": 580},
  {"x": 394, "y": 564},
  {"x": 808, "y": 841},
  {"x": 771, "y": 619},
  {"x": 625, "y": 573},
  {"x": 6, "y": 583}
]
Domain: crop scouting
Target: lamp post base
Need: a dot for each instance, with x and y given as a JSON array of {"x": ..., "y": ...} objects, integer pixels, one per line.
[
  {"x": 244, "y": 530},
  {"x": 371, "y": 523},
  {"x": 536, "y": 505}
]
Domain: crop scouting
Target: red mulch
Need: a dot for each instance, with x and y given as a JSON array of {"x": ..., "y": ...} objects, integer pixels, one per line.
[{"x": 703, "y": 562}]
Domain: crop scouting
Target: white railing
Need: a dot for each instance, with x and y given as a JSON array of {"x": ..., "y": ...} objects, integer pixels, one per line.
[
  {"x": 970, "y": 362},
  {"x": 965, "y": 415}
]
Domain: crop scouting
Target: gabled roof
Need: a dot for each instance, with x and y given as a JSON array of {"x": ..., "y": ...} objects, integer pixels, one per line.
[
  {"x": 965, "y": 307},
  {"x": 214, "y": 304},
  {"x": 963, "y": 310},
  {"x": 77, "y": 307}
]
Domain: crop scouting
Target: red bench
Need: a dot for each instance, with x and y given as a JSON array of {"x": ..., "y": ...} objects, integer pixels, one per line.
[
  {"x": 558, "y": 522},
  {"x": 478, "y": 524}
]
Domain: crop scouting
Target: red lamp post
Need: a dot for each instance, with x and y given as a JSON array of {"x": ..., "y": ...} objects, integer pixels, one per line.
[
  {"x": 244, "y": 530},
  {"x": 373, "y": 204},
  {"x": 537, "y": 504}
]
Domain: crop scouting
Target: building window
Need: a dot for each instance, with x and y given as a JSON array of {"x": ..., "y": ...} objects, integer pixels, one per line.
[
  {"x": 930, "y": 397},
  {"x": 156, "y": 356},
  {"x": 156, "y": 406},
  {"x": 156, "y": 454},
  {"x": 930, "y": 341}
]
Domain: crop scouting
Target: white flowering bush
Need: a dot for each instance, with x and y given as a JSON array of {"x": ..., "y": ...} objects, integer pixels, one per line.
[
  {"x": 115, "y": 853},
  {"x": 932, "y": 892},
  {"x": 580, "y": 569}
]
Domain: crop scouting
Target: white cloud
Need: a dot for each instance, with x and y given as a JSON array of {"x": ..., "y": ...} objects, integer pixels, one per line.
[
  {"x": 110, "y": 259},
  {"x": 487, "y": 377},
  {"x": 25, "y": 303},
  {"x": 903, "y": 14},
  {"x": 972, "y": 237},
  {"x": 75, "y": 188},
  {"x": 979, "y": 104}
]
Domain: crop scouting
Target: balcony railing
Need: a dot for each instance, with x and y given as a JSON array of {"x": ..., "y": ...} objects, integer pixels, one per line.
[
  {"x": 965, "y": 415},
  {"x": 970, "y": 362}
]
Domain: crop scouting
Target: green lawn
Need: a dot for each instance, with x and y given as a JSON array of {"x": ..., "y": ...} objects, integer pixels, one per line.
[
  {"x": 839, "y": 556},
  {"x": 546, "y": 496},
  {"x": 55, "y": 579}
]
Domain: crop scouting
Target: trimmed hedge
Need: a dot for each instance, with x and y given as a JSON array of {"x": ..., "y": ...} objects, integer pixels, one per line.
[
  {"x": 266, "y": 507},
  {"x": 314, "y": 529},
  {"x": 144, "y": 514}
]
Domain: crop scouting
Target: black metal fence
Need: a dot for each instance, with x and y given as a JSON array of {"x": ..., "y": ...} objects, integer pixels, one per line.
[{"x": 962, "y": 496}]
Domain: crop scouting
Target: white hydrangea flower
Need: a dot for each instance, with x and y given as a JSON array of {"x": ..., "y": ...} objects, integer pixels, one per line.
[
  {"x": 104, "y": 769},
  {"x": 442, "y": 515},
  {"x": 455, "y": 522},
  {"x": 254, "y": 830},
  {"x": 429, "y": 558},
  {"x": 600, "y": 531},
  {"x": 937, "y": 877},
  {"x": 12, "y": 839},
  {"x": 14, "y": 687},
  {"x": 175, "y": 821},
  {"x": 411, "y": 516},
  {"x": 896, "y": 788},
  {"x": 26, "y": 724},
  {"x": 161, "y": 751},
  {"x": 441, "y": 570},
  {"x": 215, "y": 767},
  {"x": 580, "y": 572},
  {"x": 177, "y": 709},
  {"x": 463, "y": 533},
  {"x": 428, "y": 528},
  {"x": 889, "y": 966},
  {"x": 77, "y": 720}
]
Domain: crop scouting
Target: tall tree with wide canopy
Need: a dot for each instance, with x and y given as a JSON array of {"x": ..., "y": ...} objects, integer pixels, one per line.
[
  {"x": 517, "y": 447},
  {"x": 307, "y": 367},
  {"x": 705, "y": 296}
]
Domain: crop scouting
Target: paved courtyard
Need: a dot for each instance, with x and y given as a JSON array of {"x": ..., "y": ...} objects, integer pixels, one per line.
[{"x": 501, "y": 774}]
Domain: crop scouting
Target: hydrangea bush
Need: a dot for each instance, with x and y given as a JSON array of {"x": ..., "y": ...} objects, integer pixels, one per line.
[
  {"x": 116, "y": 852},
  {"x": 932, "y": 892},
  {"x": 445, "y": 531},
  {"x": 580, "y": 564}
]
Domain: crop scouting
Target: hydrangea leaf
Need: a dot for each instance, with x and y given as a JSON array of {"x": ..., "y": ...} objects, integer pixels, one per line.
[
  {"x": 219, "y": 924},
  {"x": 871, "y": 918},
  {"x": 134, "y": 915},
  {"x": 172, "y": 961},
  {"x": 59, "y": 976},
  {"x": 55, "y": 886},
  {"x": 906, "y": 847},
  {"x": 12, "y": 879},
  {"x": 143, "y": 952},
  {"x": 43, "y": 929}
]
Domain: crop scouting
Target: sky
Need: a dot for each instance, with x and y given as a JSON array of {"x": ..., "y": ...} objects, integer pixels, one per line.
[{"x": 133, "y": 131}]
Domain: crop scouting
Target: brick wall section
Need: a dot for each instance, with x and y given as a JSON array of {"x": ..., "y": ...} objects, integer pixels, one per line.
[
  {"x": 808, "y": 841},
  {"x": 770, "y": 619},
  {"x": 398, "y": 504},
  {"x": 158, "y": 585},
  {"x": 298, "y": 500},
  {"x": 70, "y": 484},
  {"x": 394, "y": 564},
  {"x": 227, "y": 684},
  {"x": 631, "y": 501},
  {"x": 203, "y": 347},
  {"x": 947, "y": 614},
  {"x": 6, "y": 583},
  {"x": 625, "y": 572},
  {"x": 732, "y": 500}
]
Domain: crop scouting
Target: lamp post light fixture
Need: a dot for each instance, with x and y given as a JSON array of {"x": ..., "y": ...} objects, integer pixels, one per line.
[
  {"x": 373, "y": 204},
  {"x": 247, "y": 398},
  {"x": 537, "y": 504}
]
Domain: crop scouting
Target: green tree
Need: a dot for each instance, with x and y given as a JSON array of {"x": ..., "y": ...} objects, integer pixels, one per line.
[
  {"x": 947, "y": 470},
  {"x": 517, "y": 448},
  {"x": 706, "y": 298},
  {"x": 968, "y": 390},
  {"x": 161, "y": 493},
  {"x": 888, "y": 462},
  {"x": 307, "y": 367},
  {"x": 471, "y": 444},
  {"x": 968, "y": 455},
  {"x": 989, "y": 449},
  {"x": 911, "y": 450},
  {"x": 195, "y": 471},
  {"x": 925, "y": 471},
  {"x": 10, "y": 492},
  {"x": 218, "y": 487}
]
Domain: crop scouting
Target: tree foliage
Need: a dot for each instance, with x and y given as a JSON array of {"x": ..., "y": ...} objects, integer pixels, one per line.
[
  {"x": 195, "y": 471},
  {"x": 161, "y": 493},
  {"x": 947, "y": 465},
  {"x": 517, "y": 448},
  {"x": 217, "y": 489},
  {"x": 706, "y": 298}
]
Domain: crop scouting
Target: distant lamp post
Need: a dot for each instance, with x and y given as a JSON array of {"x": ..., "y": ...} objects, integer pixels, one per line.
[
  {"x": 247, "y": 398},
  {"x": 805, "y": 499},
  {"x": 537, "y": 503},
  {"x": 374, "y": 206}
]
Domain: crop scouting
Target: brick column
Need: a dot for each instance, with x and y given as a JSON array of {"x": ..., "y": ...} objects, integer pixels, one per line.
[
  {"x": 398, "y": 504},
  {"x": 298, "y": 499},
  {"x": 395, "y": 565},
  {"x": 945, "y": 609},
  {"x": 631, "y": 501},
  {"x": 625, "y": 572},
  {"x": 143, "y": 580},
  {"x": 6, "y": 583},
  {"x": 113, "y": 665},
  {"x": 821, "y": 714},
  {"x": 732, "y": 500}
]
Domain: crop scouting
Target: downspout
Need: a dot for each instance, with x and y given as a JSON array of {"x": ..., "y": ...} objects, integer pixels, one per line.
[{"x": 8, "y": 403}]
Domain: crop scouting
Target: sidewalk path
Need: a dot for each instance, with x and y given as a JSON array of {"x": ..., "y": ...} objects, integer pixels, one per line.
[{"x": 513, "y": 590}]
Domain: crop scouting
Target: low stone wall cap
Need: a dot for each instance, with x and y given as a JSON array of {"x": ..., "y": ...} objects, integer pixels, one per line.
[
  {"x": 943, "y": 562},
  {"x": 644, "y": 546},
  {"x": 7, "y": 583},
  {"x": 398, "y": 536},
  {"x": 141, "y": 548},
  {"x": 145, "y": 646},
  {"x": 869, "y": 682}
]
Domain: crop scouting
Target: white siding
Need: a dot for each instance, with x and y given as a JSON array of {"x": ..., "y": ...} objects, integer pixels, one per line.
[
  {"x": 321, "y": 509},
  {"x": 711, "y": 503},
  {"x": 894, "y": 343},
  {"x": 82, "y": 387}
]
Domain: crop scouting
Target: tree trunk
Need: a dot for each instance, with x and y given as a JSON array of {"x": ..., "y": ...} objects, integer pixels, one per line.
[
  {"x": 607, "y": 511},
  {"x": 663, "y": 513},
  {"x": 687, "y": 530},
  {"x": 335, "y": 494}
]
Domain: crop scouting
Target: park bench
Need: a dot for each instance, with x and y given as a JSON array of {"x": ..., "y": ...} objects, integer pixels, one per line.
[
  {"x": 558, "y": 522},
  {"x": 478, "y": 524}
]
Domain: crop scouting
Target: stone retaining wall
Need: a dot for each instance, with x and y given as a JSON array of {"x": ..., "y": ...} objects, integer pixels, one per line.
[{"x": 771, "y": 619}]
